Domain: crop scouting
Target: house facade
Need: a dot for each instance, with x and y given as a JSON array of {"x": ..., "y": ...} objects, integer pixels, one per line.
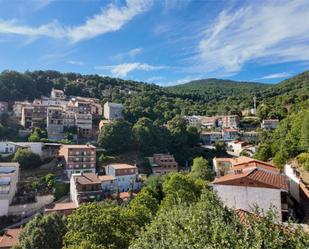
[
  {"x": 78, "y": 158},
  {"x": 125, "y": 176},
  {"x": 251, "y": 188},
  {"x": 85, "y": 187},
  {"x": 113, "y": 111},
  {"x": 162, "y": 164},
  {"x": 9, "y": 176}
]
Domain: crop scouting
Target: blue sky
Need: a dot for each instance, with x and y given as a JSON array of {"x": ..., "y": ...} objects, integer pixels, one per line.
[{"x": 159, "y": 41}]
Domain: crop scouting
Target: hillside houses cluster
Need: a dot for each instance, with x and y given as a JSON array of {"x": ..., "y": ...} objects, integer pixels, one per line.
[{"x": 59, "y": 112}]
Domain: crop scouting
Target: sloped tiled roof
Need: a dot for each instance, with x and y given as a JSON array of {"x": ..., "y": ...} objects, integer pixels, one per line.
[
  {"x": 255, "y": 177},
  {"x": 255, "y": 163},
  {"x": 87, "y": 179},
  {"x": 10, "y": 238}
]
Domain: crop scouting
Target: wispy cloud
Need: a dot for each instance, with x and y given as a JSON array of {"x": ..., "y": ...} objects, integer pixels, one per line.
[
  {"x": 272, "y": 32},
  {"x": 40, "y": 4},
  {"x": 131, "y": 53},
  {"x": 77, "y": 63},
  {"x": 183, "y": 80},
  {"x": 111, "y": 18},
  {"x": 122, "y": 70},
  {"x": 276, "y": 76}
]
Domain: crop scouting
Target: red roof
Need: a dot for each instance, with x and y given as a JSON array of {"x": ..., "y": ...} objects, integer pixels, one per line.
[
  {"x": 255, "y": 177},
  {"x": 60, "y": 206},
  {"x": 10, "y": 238},
  {"x": 125, "y": 195},
  {"x": 255, "y": 163}
]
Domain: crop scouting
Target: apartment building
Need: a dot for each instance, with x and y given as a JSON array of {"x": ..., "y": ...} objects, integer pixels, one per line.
[
  {"x": 85, "y": 187},
  {"x": 229, "y": 121},
  {"x": 230, "y": 134},
  {"x": 125, "y": 176},
  {"x": 113, "y": 111},
  {"x": 33, "y": 115},
  {"x": 78, "y": 158},
  {"x": 92, "y": 105},
  {"x": 270, "y": 124},
  {"x": 3, "y": 107},
  {"x": 55, "y": 123},
  {"x": 193, "y": 120},
  {"x": 162, "y": 164},
  {"x": 83, "y": 123},
  {"x": 9, "y": 175},
  {"x": 57, "y": 94},
  {"x": 249, "y": 187}
]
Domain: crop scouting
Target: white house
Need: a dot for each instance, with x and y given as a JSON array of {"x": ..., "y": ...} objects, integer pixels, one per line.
[
  {"x": 294, "y": 181},
  {"x": 9, "y": 175},
  {"x": 108, "y": 183},
  {"x": 125, "y": 176},
  {"x": 193, "y": 120},
  {"x": 270, "y": 124},
  {"x": 85, "y": 187},
  {"x": 236, "y": 146},
  {"x": 249, "y": 187},
  {"x": 7, "y": 147},
  {"x": 113, "y": 111}
]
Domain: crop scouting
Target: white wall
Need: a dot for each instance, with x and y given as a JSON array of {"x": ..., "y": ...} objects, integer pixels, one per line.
[
  {"x": 34, "y": 147},
  {"x": 293, "y": 181},
  {"x": 241, "y": 197},
  {"x": 125, "y": 182},
  {"x": 6, "y": 147},
  {"x": 73, "y": 192},
  {"x": 4, "y": 207}
]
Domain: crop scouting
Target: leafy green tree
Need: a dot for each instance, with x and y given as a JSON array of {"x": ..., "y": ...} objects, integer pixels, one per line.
[
  {"x": 37, "y": 135},
  {"x": 116, "y": 137},
  {"x": 142, "y": 208},
  {"x": 43, "y": 232},
  {"x": 280, "y": 158},
  {"x": 208, "y": 224},
  {"x": 179, "y": 188},
  {"x": 27, "y": 159},
  {"x": 200, "y": 169},
  {"x": 220, "y": 146},
  {"x": 304, "y": 138},
  {"x": 193, "y": 136},
  {"x": 143, "y": 133},
  {"x": 101, "y": 224},
  {"x": 264, "y": 152}
]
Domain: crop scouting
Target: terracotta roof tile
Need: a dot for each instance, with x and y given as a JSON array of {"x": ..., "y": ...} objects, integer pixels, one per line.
[
  {"x": 122, "y": 166},
  {"x": 60, "y": 206},
  {"x": 10, "y": 238},
  {"x": 87, "y": 178},
  {"x": 259, "y": 177}
]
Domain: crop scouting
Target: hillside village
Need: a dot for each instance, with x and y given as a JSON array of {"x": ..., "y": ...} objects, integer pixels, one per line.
[{"x": 66, "y": 154}]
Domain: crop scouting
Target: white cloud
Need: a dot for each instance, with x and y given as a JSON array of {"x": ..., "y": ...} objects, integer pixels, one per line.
[
  {"x": 122, "y": 70},
  {"x": 272, "y": 32},
  {"x": 111, "y": 18},
  {"x": 183, "y": 80},
  {"x": 276, "y": 76},
  {"x": 78, "y": 63},
  {"x": 131, "y": 53},
  {"x": 135, "y": 51},
  {"x": 40, "y": 4}
]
